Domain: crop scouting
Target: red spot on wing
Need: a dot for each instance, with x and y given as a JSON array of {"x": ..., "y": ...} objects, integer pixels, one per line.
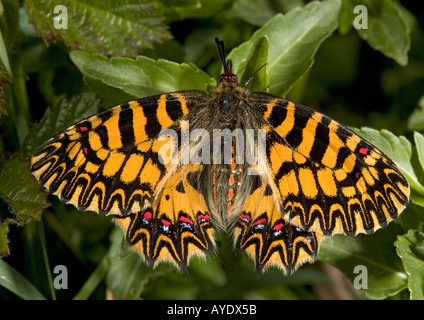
[
  {"x": 244, "y": 216},
  {"x": 260, "y": 221},
  {"x": 363, "y": 151},
  {"x": 82, "y": 128},
  {"x": 279, "y": 226},
  {"x": 165, "y": 222},
  {"x": 85, "y": 150},
  {"x": 206, "y": 217},
  {"x": 186, "y": 220},
  {"x": 147, "y": 215},
  {"x": 357, "y": 175}
]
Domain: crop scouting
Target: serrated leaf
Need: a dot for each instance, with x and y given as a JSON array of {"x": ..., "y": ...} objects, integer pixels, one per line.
[
  {"x": 18, "y": 284},
  {"x": 63, "y": 114},
  {"x": 4, "y": 245},
  {"x": 410, "y": 248},
  {"x": 294, "y": 38},
  {"x": 388, "y": 29},
  {"x": 21, "y": 192},
  {"x": 112, "y": 28},
  {"x": 142, "y": 76}
]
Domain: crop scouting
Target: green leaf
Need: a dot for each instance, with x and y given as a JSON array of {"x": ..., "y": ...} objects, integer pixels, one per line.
[
  {"x": 63, "y": 114},
  {"x": 112, "y": 28},
  {"x": 416, "y": 119},
  {"x": 419, "y": 143},
  {"x": 388, "y": 29},
  {"x": 18, "y": 284},
  {"x": 254, "y": 65},
  {"x": 195, "y": 9},
  {"x": 8, "y": 29},
  {"x": 293, "y": 40},
  {"x": 410, "y": 248},
  {"x": 346, "y": 16},
  {"x": 178, "y": 10},
  {"x": 142, "y": 76},
  {"x": 385, "y": 275},
  {"x": 21, "y": 191},
  {"x": 127, "y": 276},
  {"x": 110, "y": 96},
  {"x": 259, "y": 12}
]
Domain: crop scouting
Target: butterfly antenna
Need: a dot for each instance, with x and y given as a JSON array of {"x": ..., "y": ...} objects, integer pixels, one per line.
[
  {"x": 251, "y": 77},
  {"x": 220, "y": 45}
]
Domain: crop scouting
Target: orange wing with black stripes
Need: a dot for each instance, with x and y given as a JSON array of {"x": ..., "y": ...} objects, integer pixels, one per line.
[
  {"x": 112, "y": 163},
  {"x": 176, "y": 225},
  {"x": 315, "y": 178},
  {"x": 269, "y": 238},
  {"x": 328, "y": 179}
]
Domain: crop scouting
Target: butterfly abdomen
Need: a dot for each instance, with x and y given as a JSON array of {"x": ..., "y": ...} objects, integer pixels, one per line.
[{"x": 226, "y": 180}]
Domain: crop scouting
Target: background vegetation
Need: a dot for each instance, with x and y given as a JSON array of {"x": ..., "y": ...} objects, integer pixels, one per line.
[{"x": 114, "y": 51}]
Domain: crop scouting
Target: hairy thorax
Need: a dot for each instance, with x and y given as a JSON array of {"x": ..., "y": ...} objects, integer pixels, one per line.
[{"x": 228, "y": 98}]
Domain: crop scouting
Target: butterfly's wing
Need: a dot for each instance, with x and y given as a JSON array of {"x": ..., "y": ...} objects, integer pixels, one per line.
[
  {"x": 113, "y": 163},
  {"x": 176, "y": 226},
  {"x": 110, "y": 163},
  {"x": 267, "y": 237},
  {"x": 327, "y": 178}
]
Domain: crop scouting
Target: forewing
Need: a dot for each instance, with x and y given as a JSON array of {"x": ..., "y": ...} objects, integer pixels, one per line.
[{"x": 110, "y": 163}]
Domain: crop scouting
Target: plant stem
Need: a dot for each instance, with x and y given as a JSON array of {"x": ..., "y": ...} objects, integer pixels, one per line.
[
  {"x": 94, "y": 280},
  {"x": 40, "y": 229}
]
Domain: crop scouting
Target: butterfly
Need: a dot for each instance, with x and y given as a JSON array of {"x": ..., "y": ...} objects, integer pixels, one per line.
[{"x": 173, "y": 168}]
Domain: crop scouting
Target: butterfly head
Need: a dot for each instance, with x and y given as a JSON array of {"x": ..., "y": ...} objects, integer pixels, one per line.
[
  {"x": 228, "y": 76},
  {"x": 228, "y": 94}
]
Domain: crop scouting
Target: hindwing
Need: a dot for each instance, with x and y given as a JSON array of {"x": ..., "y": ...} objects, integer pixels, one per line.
[
  {"x": 176, "y": 225},
  {"x": 269, "y": 238}
]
